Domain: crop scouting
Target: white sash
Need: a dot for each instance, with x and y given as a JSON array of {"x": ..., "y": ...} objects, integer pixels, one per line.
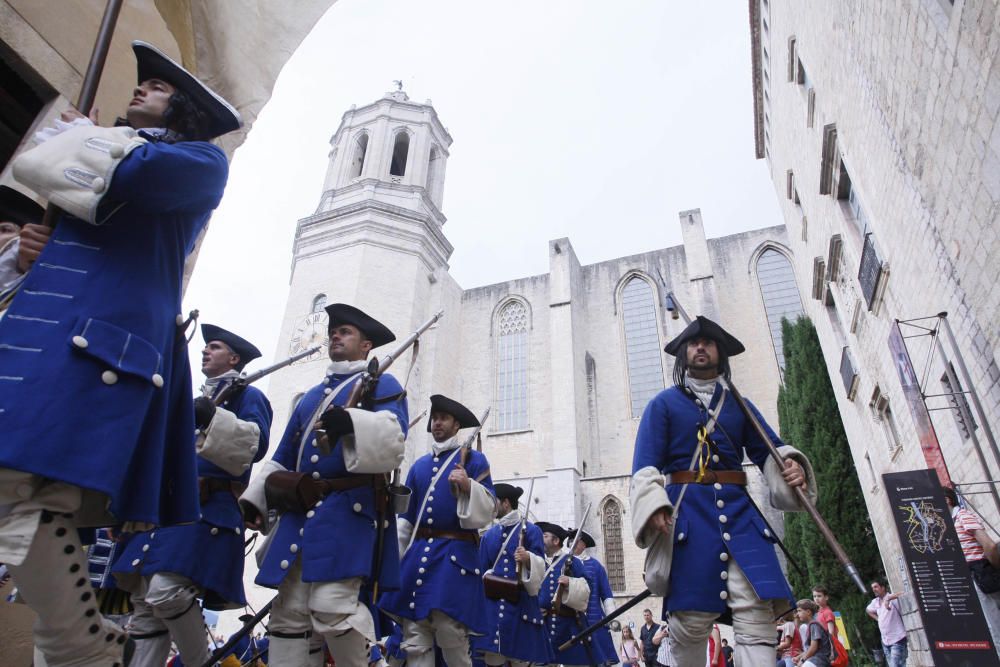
[{"x": 320, "y": 409}]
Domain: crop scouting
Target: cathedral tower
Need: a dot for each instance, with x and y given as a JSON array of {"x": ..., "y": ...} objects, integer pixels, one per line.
[{"x": 375, "y": 240}]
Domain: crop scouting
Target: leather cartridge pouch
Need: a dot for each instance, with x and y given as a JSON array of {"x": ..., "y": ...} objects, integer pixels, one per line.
[
  {"x": 289, "y": 491},
  {"x": 501, "y": 588}
]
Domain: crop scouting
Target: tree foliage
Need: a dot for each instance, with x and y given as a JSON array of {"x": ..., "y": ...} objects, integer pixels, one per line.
[{"x": 810, "y": 421}]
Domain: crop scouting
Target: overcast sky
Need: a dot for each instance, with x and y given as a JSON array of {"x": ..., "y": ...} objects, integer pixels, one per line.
[{"x": 594, "y": 120}]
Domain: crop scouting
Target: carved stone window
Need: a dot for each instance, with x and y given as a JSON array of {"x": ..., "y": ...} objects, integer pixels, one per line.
[
  {"x": 642, "y": 343},
  {"x": 614, "y": 553},
  {"x": 512, "y": 367}
]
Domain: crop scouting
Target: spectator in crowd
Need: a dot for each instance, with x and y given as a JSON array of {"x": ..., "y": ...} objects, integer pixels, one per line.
[
  {"x": 817, "y": 654},
  {"x": 662, "y": 641},
  {"x": 824, "y": 617},
  {"x": 981, "y": 555},
  {"x": 715, "y": 656},
  {"x": 646, "y": 633},
  {"x": 885, "y": 609},
  {"x": 727, "y": 653},
  {"x": 790, "y": 643},
  {"x": 630, "y": 651}
]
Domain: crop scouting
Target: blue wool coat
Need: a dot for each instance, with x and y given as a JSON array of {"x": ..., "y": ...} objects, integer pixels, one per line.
[
  {"x": 209, "y": 552},
  {"x": 561, "y": 628},
  {"x": 437, "y": 573},
  {"x": 715, "y": 522},
  {"x": 95, "y": 387},
  {"x": 515, "y": 631},
  {"x": 600, "y": 590},
  {"x": 336, "y": 539}
]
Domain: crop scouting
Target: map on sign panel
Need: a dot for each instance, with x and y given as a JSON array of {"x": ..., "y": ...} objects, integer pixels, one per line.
[{"x": 925, "y": 526}]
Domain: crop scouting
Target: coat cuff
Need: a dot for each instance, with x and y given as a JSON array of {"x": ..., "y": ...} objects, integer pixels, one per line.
[
  {"x": 577, "y": 594},
  {"x": 73, "y": 170},
  {"x": 477, "y": 509},
  {"x": 377, "y": 444},
  {"x": 608, "y": 605},
  {"x": 404, "y": 530},
  {"x": 782, "y": 495},
  {"x": 229, "y": 443},
  {"x": 647, "y": 495},
  {"x": 533, "y": 575},
  {"x": 254, "y": 494}
]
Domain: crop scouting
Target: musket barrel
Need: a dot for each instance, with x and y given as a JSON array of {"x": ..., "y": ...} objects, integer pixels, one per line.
[{"x": 807, "y": 505}]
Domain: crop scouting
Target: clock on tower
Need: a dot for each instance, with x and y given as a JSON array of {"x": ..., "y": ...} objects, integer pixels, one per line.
[{"x": 309, "y": 332}]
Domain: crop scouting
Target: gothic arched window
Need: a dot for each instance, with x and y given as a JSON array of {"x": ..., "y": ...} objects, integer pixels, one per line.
[
  {"x": 780, "y": 294},
  {"x": 319, "y": 303},
  {"x": 614, "y": 552},
  {"x": 360, "y": 151},
  {"x": 512, "y": 367},
  {"x": 642, "y": 343},
  {"x": 400, "y": 150}
]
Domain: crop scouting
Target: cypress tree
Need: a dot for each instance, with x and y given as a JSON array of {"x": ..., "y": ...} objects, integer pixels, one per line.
[{"x": 810, "y": 421}]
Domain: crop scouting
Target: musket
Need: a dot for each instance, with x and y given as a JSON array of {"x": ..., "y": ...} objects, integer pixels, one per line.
[
  {"x": 363, "y": 396},
  {"x": 239, "y": 634},
  {"x": 591, "y": 629},
  {"x": 415, "y": 420},
  {"x": 674, "y": 306},
  {"x": 557, "y": 600},
  {"x": 363, "y": 391},
  {"x": 821, "y": 524},
  {"x": 463, "y": 455},
  {"x": 240, "y": 383},
  {"x": 524, "y": 527}
]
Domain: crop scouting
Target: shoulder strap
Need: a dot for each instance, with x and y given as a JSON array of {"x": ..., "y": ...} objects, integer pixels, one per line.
[
  {"x": 320, "y": 409},
  {"x": 428, "y": 492}
]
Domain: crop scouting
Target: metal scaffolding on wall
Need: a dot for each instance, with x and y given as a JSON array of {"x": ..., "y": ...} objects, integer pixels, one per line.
[{"x": 961, "y": 392}]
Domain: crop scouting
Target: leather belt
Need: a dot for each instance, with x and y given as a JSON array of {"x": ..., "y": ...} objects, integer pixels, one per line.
[
  {"x": 562, "y": 611},
  {"x": 209, "y": 485},
  {"x": 425, "y": 533},
  {"x": 737, "y": 477},
  {"x": 328, "y": 485}
]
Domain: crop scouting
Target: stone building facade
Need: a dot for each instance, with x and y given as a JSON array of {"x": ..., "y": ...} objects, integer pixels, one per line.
[
  {"x": 565, "y": 360},
  {"x": 878, "y": 122}
]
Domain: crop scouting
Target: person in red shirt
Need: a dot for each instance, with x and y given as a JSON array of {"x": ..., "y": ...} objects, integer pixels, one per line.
[
  {"x": 981, "y": 555},
  {"x": 825, "y": 615}
]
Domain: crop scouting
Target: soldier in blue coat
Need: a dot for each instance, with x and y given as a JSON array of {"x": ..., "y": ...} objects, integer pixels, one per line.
[
  {"x": 322, "y": 556},
  {"x": 441, "y": 599},
  {"x": 517, "y": 631},
  {"x": 711, "y": 554},
  {"x": 168, "y": 569},
  {"x": 95, "y": 386},
  {"x": 566, "y": 580},
  {"x": 601, "y": 600}
]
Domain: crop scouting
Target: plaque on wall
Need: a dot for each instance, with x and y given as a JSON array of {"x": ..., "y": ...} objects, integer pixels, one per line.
[{"x": 942, "y": 586}]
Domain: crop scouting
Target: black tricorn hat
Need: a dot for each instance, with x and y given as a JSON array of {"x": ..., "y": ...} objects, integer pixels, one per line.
[
  {"x": 704, "y": 327},
  {"x": 507, "y": 491},
  {"x": 462, "y": 414},
  {"x": 375, "y": 331},
  {"x": 239, "y": 345},
  {"x": 18, "y": 208},
  {"x": 152, "y": 63},
  {"x": 547, "y": 527},
  {"x": 585, "y": 537}
]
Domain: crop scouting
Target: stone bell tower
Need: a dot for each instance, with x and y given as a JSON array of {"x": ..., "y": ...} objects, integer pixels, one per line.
[{"x": 375, "y": 240}]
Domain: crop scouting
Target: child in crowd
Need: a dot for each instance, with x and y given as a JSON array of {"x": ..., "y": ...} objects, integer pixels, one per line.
[{"x": 817, "y": 654}]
